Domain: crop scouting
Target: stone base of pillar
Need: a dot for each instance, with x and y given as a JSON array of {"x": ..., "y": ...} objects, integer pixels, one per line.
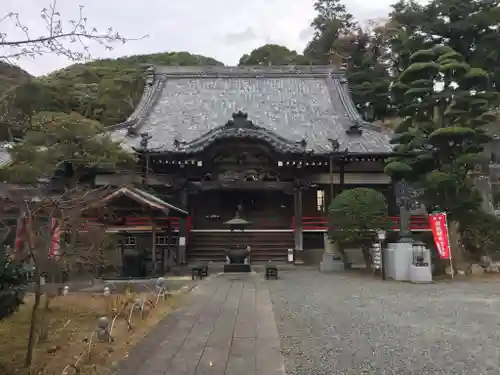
[
  {"x": 331, "y": 263},
  {"x": 397, "y": 261},
  {"x": 420, "y": 274},
  {"x": 298, "y": 257}
]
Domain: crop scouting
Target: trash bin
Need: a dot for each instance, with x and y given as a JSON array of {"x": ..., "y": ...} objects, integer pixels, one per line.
[{"x": 290, "y": 255}]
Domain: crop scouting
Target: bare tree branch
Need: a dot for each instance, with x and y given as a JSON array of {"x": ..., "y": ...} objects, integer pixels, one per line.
[{"x": 70, "y": 39}]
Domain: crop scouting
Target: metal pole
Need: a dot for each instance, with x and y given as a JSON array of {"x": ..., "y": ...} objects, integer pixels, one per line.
[
  {"x": 448, "y": 235},
  {"x": 451, "y": 268},
  {"x": 382, "y": 261}
]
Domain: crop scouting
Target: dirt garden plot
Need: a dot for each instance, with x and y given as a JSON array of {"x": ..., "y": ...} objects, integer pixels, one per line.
[{"x": 67, "y": 341}]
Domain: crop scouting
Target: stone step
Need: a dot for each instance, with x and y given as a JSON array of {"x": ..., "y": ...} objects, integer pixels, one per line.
[{"x": 211, "y": 246}]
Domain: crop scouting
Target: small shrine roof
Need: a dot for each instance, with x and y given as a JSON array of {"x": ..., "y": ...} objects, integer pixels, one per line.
[{"x": 142, "y": 197}]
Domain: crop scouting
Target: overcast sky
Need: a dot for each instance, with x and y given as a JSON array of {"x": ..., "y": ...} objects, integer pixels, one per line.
[{"x": 223, "y": 29}]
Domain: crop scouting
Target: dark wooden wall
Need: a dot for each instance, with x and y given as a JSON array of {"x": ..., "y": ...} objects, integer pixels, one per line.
[
  {"x": 137, "y": 260},
  {"x": 264, "y": 209}
]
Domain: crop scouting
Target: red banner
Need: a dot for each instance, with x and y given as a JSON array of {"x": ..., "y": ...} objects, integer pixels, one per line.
[
  {"x": 20, "y": 233},
  {"x": 55, "y": 240},
  {"x": 439, "y": 228}
]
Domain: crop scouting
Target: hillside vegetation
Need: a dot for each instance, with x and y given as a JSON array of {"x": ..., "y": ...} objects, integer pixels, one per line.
[
  {"x": 104, "y": 90},
  {"x": 11, "y": 76}
]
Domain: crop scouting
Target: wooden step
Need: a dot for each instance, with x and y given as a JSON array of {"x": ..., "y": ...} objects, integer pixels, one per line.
[{"x": 265, "y": 246}]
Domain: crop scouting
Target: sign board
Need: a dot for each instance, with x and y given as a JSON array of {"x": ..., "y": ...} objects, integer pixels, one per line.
[{"x": 439, "y": 228}]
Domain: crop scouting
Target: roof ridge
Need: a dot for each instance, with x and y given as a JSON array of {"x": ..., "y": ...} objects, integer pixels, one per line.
[{"x": 254, "y": 70}]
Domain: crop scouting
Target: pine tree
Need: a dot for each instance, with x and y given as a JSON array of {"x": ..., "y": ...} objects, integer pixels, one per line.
[
  {"x": 469, "y": 27},
  {"x": 368, "y": 73},
  {"x": 55, "y": 142},
  {"x": 331, "y": 22},
  {"x": 445, "y": 104}
]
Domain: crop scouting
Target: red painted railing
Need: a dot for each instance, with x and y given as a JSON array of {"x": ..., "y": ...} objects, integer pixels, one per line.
[
  {"x": 134, "y": 221},
  {"x": 417, "y": 223}
]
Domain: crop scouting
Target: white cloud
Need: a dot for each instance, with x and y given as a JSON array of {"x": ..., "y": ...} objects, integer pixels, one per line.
[{"x": 223, "y": 29}]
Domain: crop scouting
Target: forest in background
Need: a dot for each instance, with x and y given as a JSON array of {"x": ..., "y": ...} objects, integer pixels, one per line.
[{"x": 374, "y": 55}]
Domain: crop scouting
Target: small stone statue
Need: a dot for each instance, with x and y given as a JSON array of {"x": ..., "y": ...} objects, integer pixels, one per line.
[
  {"x": 145, "y": 137},
  {"x": 160, "y": 283},
  {"x": 107, "y": 292},
  {"x": 138, "y": 304},
  {"x": 161, "y": 287},
  {"x": 103, "y": 330}
]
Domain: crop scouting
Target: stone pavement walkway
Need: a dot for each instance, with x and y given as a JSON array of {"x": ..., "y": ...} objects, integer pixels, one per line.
[{"x": 226, "y": 327}]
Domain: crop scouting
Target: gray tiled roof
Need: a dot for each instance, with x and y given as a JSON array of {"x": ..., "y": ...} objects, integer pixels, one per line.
[{"x": 308, "y": 103}]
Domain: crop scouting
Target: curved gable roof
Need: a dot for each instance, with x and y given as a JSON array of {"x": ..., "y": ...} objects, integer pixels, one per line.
[{"x": 287, "y": 105}]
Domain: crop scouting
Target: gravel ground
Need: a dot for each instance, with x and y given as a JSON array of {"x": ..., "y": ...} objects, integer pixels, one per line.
[{"x": 354, "y": 324}]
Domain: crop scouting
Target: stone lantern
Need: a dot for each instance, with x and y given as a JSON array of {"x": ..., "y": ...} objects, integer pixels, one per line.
[{"x": 237, "y": 223}]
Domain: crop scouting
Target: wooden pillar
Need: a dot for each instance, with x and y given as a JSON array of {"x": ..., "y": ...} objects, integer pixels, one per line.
[
  {"x": 169, "y": 245},
  {"x": 332, "y": 188},
  {"x": 153, "y": 245},
  {"x": 183, "y": 228},
  {"x": 184, "y": 198},
  {"x": 145, "y": 179},
  {"x": 342, "y": 176},
  {"x": 122, "y": 256},
  {"x": 181, "y": 252},
  {"x": 298, "y": 234}
]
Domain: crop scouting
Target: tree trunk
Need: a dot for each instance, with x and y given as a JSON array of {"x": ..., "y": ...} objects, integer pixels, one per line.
[
  {"x": 367, "y": 256},
  {"x": 458, "y": 256},
  {"x": 43, "y": 332},
  {"x": 34, "y": 314},
  {"x": 343, "y": 254}
]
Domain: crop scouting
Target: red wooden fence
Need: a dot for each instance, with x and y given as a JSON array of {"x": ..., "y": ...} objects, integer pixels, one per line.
[{"x": 312, "y": 223}]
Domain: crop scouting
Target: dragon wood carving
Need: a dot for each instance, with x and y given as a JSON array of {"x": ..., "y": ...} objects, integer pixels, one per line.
[
  {"x": 247, "y": 175},
  {"x": 238, "y": 165}
]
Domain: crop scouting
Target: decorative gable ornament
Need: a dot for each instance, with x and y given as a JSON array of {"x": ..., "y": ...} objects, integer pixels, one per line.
[
  {"x": 354, "y": 130},
  {"x": 335, "y": 144},
  {"x": 240, "y": 121}
]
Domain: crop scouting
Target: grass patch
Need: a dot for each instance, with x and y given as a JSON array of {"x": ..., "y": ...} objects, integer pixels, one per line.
[{"x": 71, "y": 321}]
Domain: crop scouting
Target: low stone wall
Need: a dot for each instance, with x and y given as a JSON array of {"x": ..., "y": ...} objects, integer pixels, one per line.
[{"x": 315, "y": 256}]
